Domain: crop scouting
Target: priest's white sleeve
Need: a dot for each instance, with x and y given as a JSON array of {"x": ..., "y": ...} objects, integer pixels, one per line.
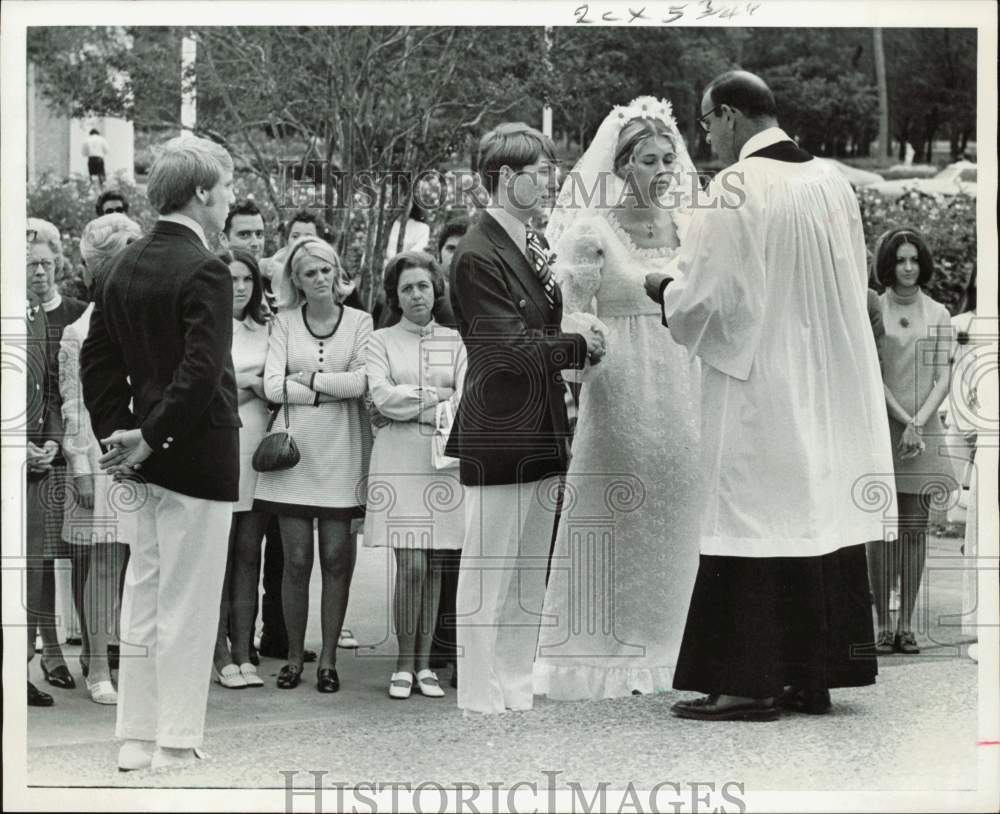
[{"x": 716, "y": 306}]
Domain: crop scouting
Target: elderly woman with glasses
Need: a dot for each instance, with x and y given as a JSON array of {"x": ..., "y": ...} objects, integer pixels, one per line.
[
  {"x": 44, "y": 265},
  {"x": 97, "y": 518},
  {"x": 316, "y": 365}
]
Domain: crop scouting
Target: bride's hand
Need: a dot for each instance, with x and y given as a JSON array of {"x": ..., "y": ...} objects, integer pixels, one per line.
[{"x": 596, "y": 347}]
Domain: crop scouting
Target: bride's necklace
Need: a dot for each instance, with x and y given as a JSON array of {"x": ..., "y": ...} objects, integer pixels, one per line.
[{"x": 645, "y": 225}]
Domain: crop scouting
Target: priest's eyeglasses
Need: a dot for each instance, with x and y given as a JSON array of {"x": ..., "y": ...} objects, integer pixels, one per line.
[{"x": 703, "y": 119}]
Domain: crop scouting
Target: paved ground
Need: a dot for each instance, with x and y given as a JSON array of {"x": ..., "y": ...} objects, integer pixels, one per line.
[{"x": 915, "y": 729}]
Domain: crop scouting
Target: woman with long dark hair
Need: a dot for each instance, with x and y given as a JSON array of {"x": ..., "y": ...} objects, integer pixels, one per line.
[
  {"x": 915, "y": 352},
  {"x": 233, "y": 668}
]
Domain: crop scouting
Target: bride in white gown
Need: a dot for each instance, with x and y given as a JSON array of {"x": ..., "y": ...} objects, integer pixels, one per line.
[{"x": 626, "y": 551}]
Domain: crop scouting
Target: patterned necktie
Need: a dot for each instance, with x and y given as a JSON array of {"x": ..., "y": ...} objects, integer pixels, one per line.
[{"x": 536, "y": 256}]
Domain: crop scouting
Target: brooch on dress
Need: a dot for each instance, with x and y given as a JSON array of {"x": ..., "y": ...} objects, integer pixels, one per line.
[{"x": 904, "y": 322}]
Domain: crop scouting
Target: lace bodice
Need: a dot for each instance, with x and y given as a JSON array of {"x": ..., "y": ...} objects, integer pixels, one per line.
[{"x": 601, "y": 270}]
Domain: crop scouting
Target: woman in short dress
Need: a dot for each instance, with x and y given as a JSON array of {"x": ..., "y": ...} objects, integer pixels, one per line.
[
  {"x": 316, "y": 361},
  {"x": 233, "y": 668},
  {"x": 915, "y": 352},
  {"x": 414, "y": 372}
]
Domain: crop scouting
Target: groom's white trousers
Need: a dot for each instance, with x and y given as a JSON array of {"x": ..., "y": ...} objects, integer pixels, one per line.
[
  {"x": 501, "y": 587},
  {"x": 170, "y": 615}
]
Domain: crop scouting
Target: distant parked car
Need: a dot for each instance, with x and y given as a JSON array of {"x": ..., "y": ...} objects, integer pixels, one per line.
[
  {"x": 955, "y": 179},
  {"x": 857, "y": 178}
]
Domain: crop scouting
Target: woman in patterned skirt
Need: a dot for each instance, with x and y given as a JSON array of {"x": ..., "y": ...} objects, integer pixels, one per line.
[{"x": 414, "y": 372}]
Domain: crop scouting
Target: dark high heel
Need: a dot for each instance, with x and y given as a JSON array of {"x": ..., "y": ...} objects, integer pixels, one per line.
[
  {"x": 289, "y": 677},
  {"x": 327, "y": 680},
  {"x": 58, "y": 676},
  {"x": 37, "y": 698}
]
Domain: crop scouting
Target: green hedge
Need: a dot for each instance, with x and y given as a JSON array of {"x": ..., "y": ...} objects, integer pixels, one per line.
[{"x": 948, "y": 223}]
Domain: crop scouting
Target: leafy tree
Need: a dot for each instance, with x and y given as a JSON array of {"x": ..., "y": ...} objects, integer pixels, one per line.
[{"x": 367, "y": 103}]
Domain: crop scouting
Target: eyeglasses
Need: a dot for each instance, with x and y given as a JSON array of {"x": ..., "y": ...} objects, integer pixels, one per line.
[
  {"x": 114, "y": 210},
  {"x": 703, "y": 119},
  {"x": 48, "y": 265}
]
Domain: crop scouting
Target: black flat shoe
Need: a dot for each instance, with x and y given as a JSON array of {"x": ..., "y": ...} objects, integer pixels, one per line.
[
  {"x": 58, "y": 676},
  {"x": 708, "y": 709},
  {"x": 885, "y": 644},
  {"x": 811, "y": 702},
  {"x": 114, "y": 652},
  {"x": 309, "y": 656},
  {"x": 289, "y": 677},
  {"x": 906, "y": 643},
  {"x": 327, "y": 680},
  {"x": 37, "y": 698},
  {"x": 254, "y": 657}
]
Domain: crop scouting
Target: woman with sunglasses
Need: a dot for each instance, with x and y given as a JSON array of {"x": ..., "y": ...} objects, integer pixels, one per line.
[
  {"x": 915, "y": 352},
  {"x": 316, "y": 363}
]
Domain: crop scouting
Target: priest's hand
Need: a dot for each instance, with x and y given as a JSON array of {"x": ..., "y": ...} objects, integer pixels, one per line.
[{"x": 654, "y": 285}]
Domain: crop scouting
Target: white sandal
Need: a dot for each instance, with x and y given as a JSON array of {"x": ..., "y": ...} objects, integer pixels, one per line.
[
  {"x": 230, "y": 677},
  {"x": 427, "y": 682},
  {"x": 400, "y": 685},
  {"x": 347, "y": 640},
  {"x": 249, "y": 673},
  {"x": 102, "y": 692}
]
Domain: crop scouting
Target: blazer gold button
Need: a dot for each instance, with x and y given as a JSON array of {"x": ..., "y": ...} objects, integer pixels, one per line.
[
  {"x": 166, "y": 445},
  {"x": 522, "y": 303},
  {"x": 170, "y": 438}
]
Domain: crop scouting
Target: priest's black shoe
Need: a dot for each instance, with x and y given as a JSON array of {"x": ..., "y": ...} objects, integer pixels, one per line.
[
  {"x": 327, "y": 680},
  {"x": 37, "y": 698},
  {"x": 709, "y": 709},
  {"x": 800, "y": 699}
]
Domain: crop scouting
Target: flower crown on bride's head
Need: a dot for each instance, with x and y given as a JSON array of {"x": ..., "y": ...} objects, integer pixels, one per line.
[{"x": 644, "y": 107}]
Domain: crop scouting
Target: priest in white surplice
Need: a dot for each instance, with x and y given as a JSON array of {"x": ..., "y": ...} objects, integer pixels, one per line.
[{"x": 770, "y": 294}]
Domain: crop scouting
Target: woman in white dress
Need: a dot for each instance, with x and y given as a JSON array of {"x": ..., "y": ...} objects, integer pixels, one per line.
[
  {"x": 626, "y": 551},
  {"x": 233, "y": 668},
  {"x": 99, "y": 511},
  {"x": 414, "y": 370},
  {"x": 316, "y": 360}
]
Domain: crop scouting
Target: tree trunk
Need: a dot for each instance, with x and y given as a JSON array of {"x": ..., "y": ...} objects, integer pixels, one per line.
[{"x": 883, "y": 96}]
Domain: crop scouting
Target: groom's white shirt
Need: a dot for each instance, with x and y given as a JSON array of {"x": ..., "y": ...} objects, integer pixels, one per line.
[
  {"x": 514, "y": 228},
  {"x": 772, "y": 297}
]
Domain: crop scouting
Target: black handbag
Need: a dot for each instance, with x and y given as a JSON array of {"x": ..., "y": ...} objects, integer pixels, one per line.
[{"x": 278, "y": 450}]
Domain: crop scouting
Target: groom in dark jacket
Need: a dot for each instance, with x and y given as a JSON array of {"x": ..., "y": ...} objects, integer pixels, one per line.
[{"x": 511, "y": 431}]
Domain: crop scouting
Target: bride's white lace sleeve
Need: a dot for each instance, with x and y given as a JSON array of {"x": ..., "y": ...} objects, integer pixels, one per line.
[{"x": 578, "y": 266}]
